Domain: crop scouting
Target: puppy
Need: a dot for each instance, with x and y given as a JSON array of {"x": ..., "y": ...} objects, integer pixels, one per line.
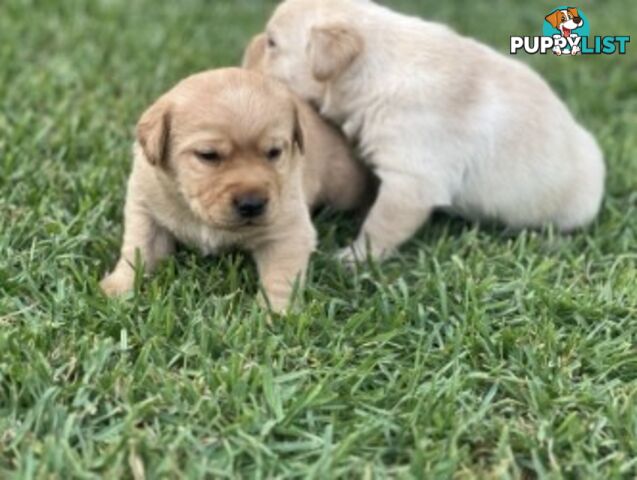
[
  {"x": 218, "y": 162},
  {"x": 566, "y": 21},
  {"x": 445, "y": 121},
  {"x": 333, "y": 177}
]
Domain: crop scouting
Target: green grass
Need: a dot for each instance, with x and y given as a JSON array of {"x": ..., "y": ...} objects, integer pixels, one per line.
[{"x": 473, "y": 354}]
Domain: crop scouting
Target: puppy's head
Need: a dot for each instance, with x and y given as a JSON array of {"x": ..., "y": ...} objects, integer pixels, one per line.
[
  {"x": 306, "y": 46},
  {"x": 230, "y": 141}
]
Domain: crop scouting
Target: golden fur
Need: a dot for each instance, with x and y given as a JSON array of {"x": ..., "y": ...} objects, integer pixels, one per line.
[{"x": 217, "y": 138}]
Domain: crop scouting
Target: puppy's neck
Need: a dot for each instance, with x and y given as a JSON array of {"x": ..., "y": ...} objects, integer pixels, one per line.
[{"x": 343, "y": 103}]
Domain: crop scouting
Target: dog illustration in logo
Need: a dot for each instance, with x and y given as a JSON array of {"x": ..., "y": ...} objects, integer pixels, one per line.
[{"x": 566, "y": 21}]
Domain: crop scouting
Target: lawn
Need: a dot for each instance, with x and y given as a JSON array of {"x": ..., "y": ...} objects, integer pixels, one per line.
[{"x": 475, "y": 353}]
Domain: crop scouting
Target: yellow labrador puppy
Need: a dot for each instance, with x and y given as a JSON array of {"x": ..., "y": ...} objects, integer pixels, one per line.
[
  {"x": 220, "y": 161},
  {"x": 445, "y": 121},
  {"x": 333, "y": 176}
]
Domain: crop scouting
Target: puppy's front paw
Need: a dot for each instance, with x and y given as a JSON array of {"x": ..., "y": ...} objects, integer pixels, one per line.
[
  {"x": 276, "y": 306},
  {"x": 356, "y": 255},
  {"x": 115, "y": 285}
]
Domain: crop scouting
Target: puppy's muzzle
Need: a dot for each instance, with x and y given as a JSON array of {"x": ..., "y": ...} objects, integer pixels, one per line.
[{"x": 251, "y": 205}]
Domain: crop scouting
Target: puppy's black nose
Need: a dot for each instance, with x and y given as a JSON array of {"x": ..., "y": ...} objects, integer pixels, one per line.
[
  {"x": 250, "y": 206},
  {"x": 577, "y": 20}
]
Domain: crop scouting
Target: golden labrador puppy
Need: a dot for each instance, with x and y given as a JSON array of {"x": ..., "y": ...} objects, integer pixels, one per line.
[{"x": 220, "y": 161}]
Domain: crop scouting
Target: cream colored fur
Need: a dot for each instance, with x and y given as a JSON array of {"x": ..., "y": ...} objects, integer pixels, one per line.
[
  {"x": 174, "y": 194},
  {"x": 445, "y": 121},
  {"x": 332, "y": 176}
]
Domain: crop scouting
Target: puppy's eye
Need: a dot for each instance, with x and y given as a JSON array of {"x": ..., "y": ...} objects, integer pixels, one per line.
[
  {"x": 274, "y": 154},
  {"x": 209, "y": 156},
  {"x": 271, "y": 43}
]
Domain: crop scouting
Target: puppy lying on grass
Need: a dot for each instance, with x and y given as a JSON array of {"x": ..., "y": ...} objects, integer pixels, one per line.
[
  {"x": 445, "y": 121},
  {"x": 228, "y": 158}
]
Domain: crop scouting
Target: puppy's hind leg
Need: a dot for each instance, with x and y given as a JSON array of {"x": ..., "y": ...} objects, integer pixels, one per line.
[
  {"x": 401, "y": 208},
  {"x": 143, "y": 237}
]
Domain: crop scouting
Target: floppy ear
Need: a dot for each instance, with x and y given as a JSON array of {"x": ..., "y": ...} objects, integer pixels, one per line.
[
  {"x": 332, "y": 49},
  {"x": 153, "y": 132},
  {"x": 573, "y": 11},
  {"x": 297, "y": 136},
  {"x": 554, "y": 18},
  {"x": 253, "y": 56}
]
